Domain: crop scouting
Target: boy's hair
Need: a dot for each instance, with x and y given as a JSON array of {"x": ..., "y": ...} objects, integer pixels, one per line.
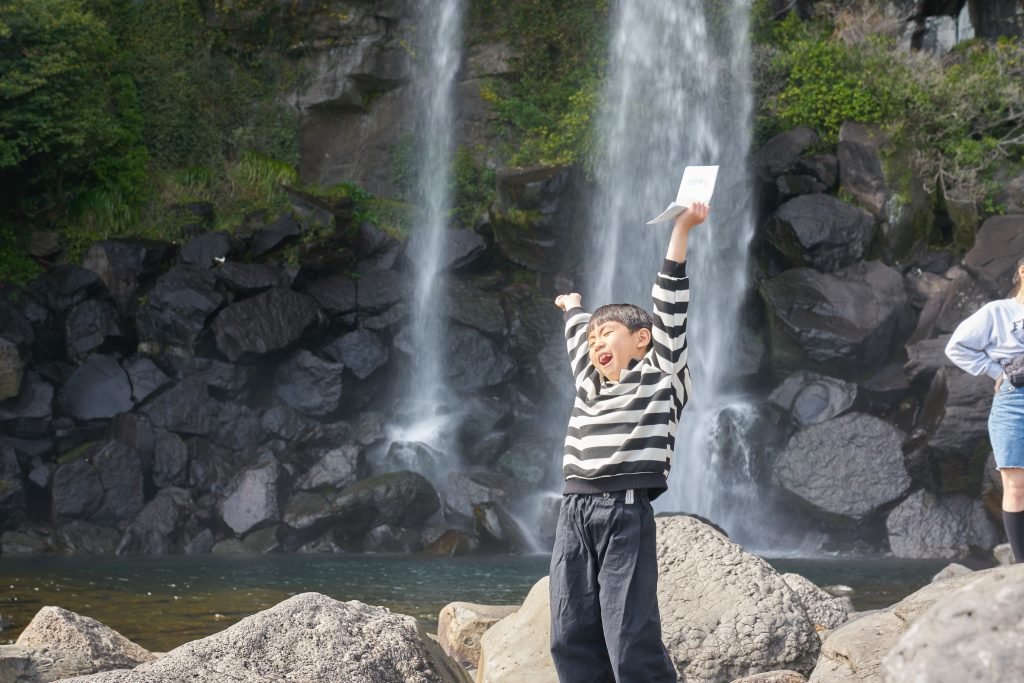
[{"x": 633, "y": 317}]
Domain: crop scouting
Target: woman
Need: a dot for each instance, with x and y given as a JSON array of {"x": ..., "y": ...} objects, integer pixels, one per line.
[{"x": 985, "y": 343}]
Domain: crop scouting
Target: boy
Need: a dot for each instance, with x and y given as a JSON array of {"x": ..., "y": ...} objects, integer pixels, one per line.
[{"x": 632, "y": 382}]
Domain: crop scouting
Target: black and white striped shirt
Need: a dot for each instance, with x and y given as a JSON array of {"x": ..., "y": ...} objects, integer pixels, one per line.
[{"x": 622, "y": 434}]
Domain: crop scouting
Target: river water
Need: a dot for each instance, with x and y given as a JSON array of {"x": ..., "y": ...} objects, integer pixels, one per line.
[{"x": 162, "y": 602}]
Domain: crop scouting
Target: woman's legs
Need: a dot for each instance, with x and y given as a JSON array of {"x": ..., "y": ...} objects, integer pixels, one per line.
[{"x": 1013, "y": 509}]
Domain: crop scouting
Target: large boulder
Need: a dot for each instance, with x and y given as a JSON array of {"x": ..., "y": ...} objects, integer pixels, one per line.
[
  {"x": 63, "y": 288},
  {"x": 104, "y": 487},
  {"x": 461, "y": 625},
  {"x": 853, "y": 653},
  {"x": 336, "y": 468},
  {"x": 811, "y": 398},
  {"x": 61, "y": 644},
  {"x": 158, "y": 528},
  {"x": 205, "y": 250},
  {"x": 97, "y": 389},
  {"x": 469, "y": 359},
  {"x": 843, "y": 324},
  {"x": 29, "y": 413},
  {"x": 819, "y": 231},
  {"x": 822, "y": 459},
  {"x": 189, "y": 410},
  {"x": 266, "y": 322},
  {"x": 93, "y": 326},
  {"x": 309, "y": 384},
  {"x": 126, "y": 267},
  {"x": 459, "y": 248},
  {"x": 12, "y": 490},
  {"x": 12, "y": 367},
  {"x": 724, "y": 614},
  {"x": 176, "y": 310},
  {"x": 997, "y": 248},
  {"x": 824, "y": 610},
  {"x": 252, "y": 498},
  {"x": 247, "y": 279},
  {"x": 307, "y": 638},
  {"x": 361, "y": 351},
  {"x": 971, "y": 634},
  {"x": 925, "y": 525}
]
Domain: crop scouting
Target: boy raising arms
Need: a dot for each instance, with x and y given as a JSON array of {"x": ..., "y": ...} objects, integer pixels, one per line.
[{"x": 632, "y": 382}]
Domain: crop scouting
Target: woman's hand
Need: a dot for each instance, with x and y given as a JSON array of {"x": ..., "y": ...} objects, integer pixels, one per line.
[{"x": 999, "y": 383}]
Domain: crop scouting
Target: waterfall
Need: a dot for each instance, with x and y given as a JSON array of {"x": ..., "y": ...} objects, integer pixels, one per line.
[
  {"x": 438, "y": 55},
  {"x": 678, "y": 93}
]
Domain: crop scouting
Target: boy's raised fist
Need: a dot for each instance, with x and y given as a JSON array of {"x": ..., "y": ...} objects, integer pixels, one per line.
[{"x": 569, "y": 301}]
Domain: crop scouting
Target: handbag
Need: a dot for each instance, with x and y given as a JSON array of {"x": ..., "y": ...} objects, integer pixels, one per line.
[{"x": 1014, "y": 371}]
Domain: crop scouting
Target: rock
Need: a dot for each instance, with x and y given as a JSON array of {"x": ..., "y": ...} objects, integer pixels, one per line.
[
  {"x": 29, "y": 413},
  {"x": 262, "y": 541},
  {"x": 950, "y": 571},
  {"x": 336, "y": 294},
  {"x": 823, "y": 609},
  {"x": 464, "y": 490},
  {"x": 76, "y": 492},
  {"x": 1003, "y": 554},
  {"x": 461, "y": 248},
  {"x": 843, "y": 324},
  {"x": 308, "y": 384},
  {"x": 176, "y": 310},
  {"x": 248, "y": 279},
  {"x": 498, "y": 530},
  {"x": 925, "y": 358},
  {"x": 821, "y": 232},
  {"x": 925, "y": 525},
  {"x": 12, "y": 491},
  {"x": 471, "y": 361},
  {"x": 98, "y": 389},
  {"x": 92, "y": 327},
  {"x": 157, "y": 529},
  {"x": 820, "y": 460},
  {"x": 782, "y": 676},
  {"x": 126, "y": 267},
  {"x": 229, "y": 546},
  {"x": 854, "y": 652},
  {"x": 379, "y": 290},
  {"x": 811, "y": 398},
  {"x": 532, "y": 457},
  {"x": 252, "y": 498},
  {"x": 482, "y": 429},
  {"x": 964, "y": 296},
  {"x": 461, "y": 625},
  {"x": 532, "y": 218},
  {"x": 954, "y": 639},
  {"x": 206, "y": 250},
  {"x": 77, "y": 645},
  {"x": 997, "y": 248},
  {"x": 281, "y": 231},
  {"x": 86, "y": 538},
  {"x": 188, "y": 409},
  {"x": 391, "y": 539},
  {"x": 361, "y": 351},
  {"x": 266, "y": 322},
  {"x": 120, "y": 473},
  {"x": 25, "y": 542},
  {"x": 12, "y": 368},
  {"x": 407, "y": 455},
  {"x": 476, "y": 308},
  {"x": 781, "y": 153},
  {"x": 200, "y": 544},
  {"x": 518, "y": 647},
  {"x": 145, "y": 377},
  {"x": 451, "y": 543},
  {"x": 61, "y": 289},
  {"x": 337, "y": 468},
  {"x": 309, "y": 637}
]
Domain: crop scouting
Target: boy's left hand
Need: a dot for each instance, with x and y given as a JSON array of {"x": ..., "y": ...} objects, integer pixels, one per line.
[{"x": 693, "y": 216}]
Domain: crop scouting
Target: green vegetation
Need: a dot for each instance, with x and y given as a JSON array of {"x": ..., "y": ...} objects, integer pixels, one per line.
[{"x": 548, "y": 104}]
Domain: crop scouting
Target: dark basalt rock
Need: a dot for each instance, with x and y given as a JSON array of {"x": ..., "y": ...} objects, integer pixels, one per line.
[
  {"x": 170, "y": 459},
  {"x": 250, "y": 278},
  {"x": 275, "y": 235},
  {"x": 126, "y": 267},
  {"x": 158, "y": 529},
  {"x": 476, "y": 308},
  {"x": 997, "y": 248},
  {"x": 461, "y": 248},
  {"x": 177, "y": 308},
  {"x": 28, "y": 414},
  {"x": 206, "y": 250},
  {"x": 470, "y": 360},
  {"x": 12, "y": 368},
  {"x": 12, "y": 490},
  {"x": 336, "y": 294},
  {"x": 361, "y": 351},
  {"x": 63, "y": 288},
  {"x": 266, "y": 322},
  {"x": 821, "y": 232},
  {"x": 379, "y": 290},
  {"x": 99, "y": 389},
  {"x": 145, "y": 377},
  {"x": 309, "y": 384}
]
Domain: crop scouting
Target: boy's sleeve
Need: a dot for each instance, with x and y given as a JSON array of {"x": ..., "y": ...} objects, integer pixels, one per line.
[
  {"x": 576, "y": 320},
  {"x": 671, "y": 294},
  {"x": 966, "y": 347}
]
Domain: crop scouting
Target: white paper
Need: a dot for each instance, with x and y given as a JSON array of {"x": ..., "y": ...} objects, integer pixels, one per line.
[{"x": 697, "y": 185}]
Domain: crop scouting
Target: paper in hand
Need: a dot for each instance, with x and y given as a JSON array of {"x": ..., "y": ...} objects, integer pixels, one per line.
[{"x": 697, "y": 185}]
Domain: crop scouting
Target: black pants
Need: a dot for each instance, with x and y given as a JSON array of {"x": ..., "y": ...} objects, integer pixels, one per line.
[{"x": 605, "y": 624}]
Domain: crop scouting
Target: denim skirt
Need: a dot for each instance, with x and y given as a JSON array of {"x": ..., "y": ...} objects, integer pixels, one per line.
[{"x": 1006, "y": 426}]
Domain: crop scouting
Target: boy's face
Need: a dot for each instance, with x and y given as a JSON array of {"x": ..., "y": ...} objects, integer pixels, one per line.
[{"x": 612, "y": 346}]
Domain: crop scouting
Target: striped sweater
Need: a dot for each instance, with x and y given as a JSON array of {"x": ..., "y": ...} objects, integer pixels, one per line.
[{"x": 622, "y": 434}]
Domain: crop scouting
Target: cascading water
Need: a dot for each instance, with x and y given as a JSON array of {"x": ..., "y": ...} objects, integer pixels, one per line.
[
  {"x": 678, "y": 94},
  {"x": 439, "y": 53}
]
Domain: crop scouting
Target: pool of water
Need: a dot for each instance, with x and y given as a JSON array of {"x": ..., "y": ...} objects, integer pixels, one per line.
[{"x": 162, "y": 602}]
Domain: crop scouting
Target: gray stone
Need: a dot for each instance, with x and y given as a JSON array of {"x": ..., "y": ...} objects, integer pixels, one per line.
[
  {"x": 470, "y": 360},
  {"x": 85, "y": 538},
  {"x": 278, "y": 233},
  {"x": 29, "y": 413},
  {"x": 76, "y": 645},
  {"x": 378, "y": 290},
  {"x": 782, "y": 152},
  {"x": 925, "y": 525},
  {"x": 170, "y": 459},
  {"x": 99, "y": 389},
  {"x": 518, "y": 647},
  {"x": 252, "y": 498},
  {"x": 1003, "y": 554},
  {"x": 229, "y": 546},
  {"x": 533, "y": 216},
  {"x": 12, "y": 368},
  {"x": 336, "y": 294},
  {"x": 145, "y": 377},
  {"x": 337, "y": 468},
  {"x": 309, "y": 384},
  {"x": 77, "y": 492},
  {"x": 823, "y": 609},
  {"x": 25, "y": 542},
  {"x": 781, "y": 676},
  {"x": 262, "y": 541},
  {"x": 477, "y": 308},
  {"x": 307, "y": 638},
  {"x": 176, "y": 310},
  {"x": 12, "y": 491},
  {"x": 925, "y": 358},
  {"x": 250, "y": 278},
  {"x": 62, "y": 288},
  {"x": 811, "y": 398},
  {"x": 120, "y": 473},
  {"x": 822, "y": 459},
  {"x": 464, "y": 490},
  {"x": 92, "y": 327},
  {"x": 843, "y": 324},
  {"x": 997, "y": 248},
  {"x": 461, "y": 248},
  {"x": 126, "y": 266},
  {"x": 461, "y": 625},
  {"x": 206, "y": 250},
  {"x": 971, "y": 634},
  {"x": 157, "y": 529},
  {"x": 361, "y": 351},
  {"x": 950, "y": 571},
  {"x": 820, "y": 232},
  {"x": 266, "y": 322}
]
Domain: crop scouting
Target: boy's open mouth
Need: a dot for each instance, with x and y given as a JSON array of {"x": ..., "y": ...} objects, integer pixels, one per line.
[{"x": 604, "y": 358}]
